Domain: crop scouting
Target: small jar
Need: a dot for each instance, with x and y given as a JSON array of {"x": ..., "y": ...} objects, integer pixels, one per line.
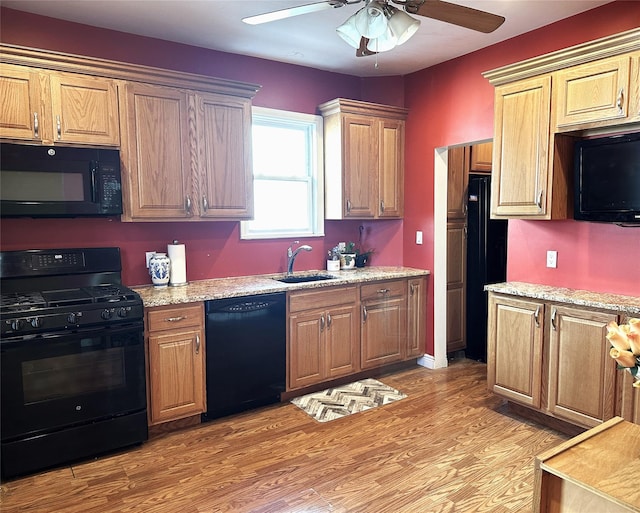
[{"x": 159, "y": 269}]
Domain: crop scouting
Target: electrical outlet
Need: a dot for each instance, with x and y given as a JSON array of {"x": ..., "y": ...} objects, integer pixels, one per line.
[
  {"x": 552, "y": 259},
  {"x": 148, "y": 256},
  {"x": 418, "y": 237}
]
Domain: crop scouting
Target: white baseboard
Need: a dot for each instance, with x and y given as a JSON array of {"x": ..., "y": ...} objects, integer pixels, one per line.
[{"x": 427, "y": 361}]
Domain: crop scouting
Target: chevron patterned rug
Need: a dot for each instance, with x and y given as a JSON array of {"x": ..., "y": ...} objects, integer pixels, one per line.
[{"x": 338, "y": 402}]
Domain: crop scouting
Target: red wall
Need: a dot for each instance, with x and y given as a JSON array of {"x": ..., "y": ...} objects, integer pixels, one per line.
[
  {"x": 452, "y": 103},
  {"x": 214, "y": 249},
  {"x": 449, "y": 104}
]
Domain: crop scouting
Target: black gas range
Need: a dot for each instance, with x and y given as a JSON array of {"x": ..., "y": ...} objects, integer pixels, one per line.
[{"x": 72, "y": 358}]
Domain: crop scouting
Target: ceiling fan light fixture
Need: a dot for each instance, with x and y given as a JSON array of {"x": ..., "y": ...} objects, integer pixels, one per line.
[
  {"x": 384, "y": 43},
  {"x": 402, "y": 25},
  {"x": 349, "y": 32},
  {"x": 371, "y": 21}
]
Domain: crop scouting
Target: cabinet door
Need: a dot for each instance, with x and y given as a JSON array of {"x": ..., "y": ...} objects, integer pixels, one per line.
[
  {"x": 481, "y": 157},
  {"x": 593, "y": 92},
  {"x": 21, "y": 114},
  {"x": 223, "y": 134},
  {"x": 391, "y": 171},
  {"x": 582, "y": 376},
  {"x": 416, "y": 317},
  {"x": 360, "y": 147},
  {"x": 384, "y": 331},
  {"x": 176, "y": 375},
  {"x": 456, "y": 286},
  {"x": 457, "y": 177},
  {"x": 85, "y": 109},
  {"x": 156, "y": 155},
  {"x": 341, "y": 335},
  {"x": 514, "y": 360},
  {"x": 306, "y": 348},
  {"x": 519, "y": 187}
]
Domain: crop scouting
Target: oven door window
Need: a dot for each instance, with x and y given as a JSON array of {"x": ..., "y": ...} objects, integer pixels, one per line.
[{"x": 52, "y": 381}]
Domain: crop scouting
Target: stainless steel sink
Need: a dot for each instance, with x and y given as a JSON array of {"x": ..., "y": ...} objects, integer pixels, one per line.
[{"x": 304, "y": 278}]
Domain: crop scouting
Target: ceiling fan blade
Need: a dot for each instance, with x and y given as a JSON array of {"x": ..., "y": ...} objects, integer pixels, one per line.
[
  {"x": 467, "y": 17},
  {"x": 362, "y": 50},
  {"x": 291, "y": 11}
]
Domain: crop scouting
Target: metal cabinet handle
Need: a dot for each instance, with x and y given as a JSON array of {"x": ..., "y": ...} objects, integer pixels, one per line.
[
  {"x": 412, "y": 288},
  {"x": 187, "y": 204},
  {"x": 328, "y": 321},
  {"x": 364, "y": 313},
  {"x": 536, "y": 316},
  {"x": 176, "y": 319},
  {"x": 539, "y": 201},
  {"x": 382, "y": 206},
  {"x": 197, "y": 344},
  {"x": 348, "y": 205},
  {"x": 554, "y": 313},
  {"x": 59, "y": 127},
  {"x": 620, "y": 99},
  {"x": 36, "y": 126},
  {"x": 322, "y": 323},
  {"x": 205, "y": 204},
  {"x": 382, "y": 291}
]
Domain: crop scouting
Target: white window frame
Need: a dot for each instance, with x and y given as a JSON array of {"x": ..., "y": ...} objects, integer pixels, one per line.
[{"x": 313, "y": 125}]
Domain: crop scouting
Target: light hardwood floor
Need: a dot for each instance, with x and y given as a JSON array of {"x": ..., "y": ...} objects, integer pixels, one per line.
[{"x": 449, "y": 446}]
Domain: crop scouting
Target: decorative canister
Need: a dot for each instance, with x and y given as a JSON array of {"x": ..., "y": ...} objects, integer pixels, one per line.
[{"x": 159, "y": 269}]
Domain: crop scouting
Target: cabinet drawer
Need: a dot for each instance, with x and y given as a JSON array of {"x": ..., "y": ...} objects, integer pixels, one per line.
[
  {"x": 322, "y": 298},
  {"x": 383, "y": 290},
  {"x": 167, "y": 318}
]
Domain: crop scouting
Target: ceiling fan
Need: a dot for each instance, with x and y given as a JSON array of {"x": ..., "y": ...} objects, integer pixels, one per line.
[{"x": 380, "y": 26}]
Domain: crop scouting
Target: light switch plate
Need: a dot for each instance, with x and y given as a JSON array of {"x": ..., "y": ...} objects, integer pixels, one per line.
[
  {"x": 552, "y": 259},
  {"x": 418, "y": 237},
  {"x": 148, "y": 255}
]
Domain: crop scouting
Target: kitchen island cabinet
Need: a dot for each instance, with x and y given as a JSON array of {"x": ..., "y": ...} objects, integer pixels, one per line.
[
  {"x": 52, "y": 107},
  {"x": 364, "y": 159},
  {"x": 176, "y": 362}
]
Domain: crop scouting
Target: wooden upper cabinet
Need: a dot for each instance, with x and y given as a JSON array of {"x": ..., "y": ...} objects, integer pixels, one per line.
[
  {"x": 596, "y": 93},
  {"x": 85, "y": 109},
  {"x": 457, "y": 179},
  {"x": 156, "y": 154},
  {"x": 56, "y": 107},
  {"x": 481, "y": 158},
  {"x": 223, "y": 136},
  {"x": 364, "y": 159}
]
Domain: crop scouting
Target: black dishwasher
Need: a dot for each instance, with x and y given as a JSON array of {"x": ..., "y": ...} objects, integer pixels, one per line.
[{"x": 246, "y": 353}]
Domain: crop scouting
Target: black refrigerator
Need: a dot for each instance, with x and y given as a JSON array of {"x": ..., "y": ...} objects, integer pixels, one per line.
[{"x": 486, "y": 262}]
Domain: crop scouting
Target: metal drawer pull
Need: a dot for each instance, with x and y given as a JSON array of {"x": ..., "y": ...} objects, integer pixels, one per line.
[
  {"x": 58, "y": 126},
  {"x": 536, "y": 316},
  {"x": 176, "y": 319},
  {"x": 554, "y": 312},
  {"x": 383, "y": 291},
  {"x": 197, "y": 344},
  {"x": 620, "y": 99},
  {"x": 36, "y": 126}
]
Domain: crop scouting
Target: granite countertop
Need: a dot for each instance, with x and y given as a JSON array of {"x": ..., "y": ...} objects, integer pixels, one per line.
[
  {"x": 600, "y": 300},
  {"x": 220, "y": 288}
]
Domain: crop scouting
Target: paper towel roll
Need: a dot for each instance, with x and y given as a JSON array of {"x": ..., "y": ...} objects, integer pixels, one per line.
[{"x": 176, "y": 253}]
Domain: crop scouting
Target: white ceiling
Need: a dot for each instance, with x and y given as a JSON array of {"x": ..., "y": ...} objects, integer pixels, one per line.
[{"x": 307, "y": 40}]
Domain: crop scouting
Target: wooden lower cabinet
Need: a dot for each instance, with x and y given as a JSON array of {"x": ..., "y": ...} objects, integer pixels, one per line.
[
  {"x": 416, "y": 316},
  {"x": 176, "y": 362},
  {"x": 323, "y": 335},
  {"x": 552, "y": 358},
  {"x": 456, "y": 286},
  {"x": 384, "y": 323}
]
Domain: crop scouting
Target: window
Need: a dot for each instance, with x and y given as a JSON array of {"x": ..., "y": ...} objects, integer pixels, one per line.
[{"x": 288, "y": 178}]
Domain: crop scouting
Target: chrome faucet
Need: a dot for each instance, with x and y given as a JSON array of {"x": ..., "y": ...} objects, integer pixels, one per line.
[{"x": 291, "y": 254}]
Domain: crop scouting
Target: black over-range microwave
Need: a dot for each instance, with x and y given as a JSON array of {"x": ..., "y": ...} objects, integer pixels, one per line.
[{"x": 59, "y": 181}]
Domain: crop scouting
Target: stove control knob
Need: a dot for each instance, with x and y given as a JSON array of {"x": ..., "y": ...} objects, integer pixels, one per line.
[
  {"x": 16, "y": 324},
  {"x": 36, "y": 322},
  {"x": 72, "y": 318},
  {"x": 122, "y": 312},
  {"x": 106, "y": 314}
]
